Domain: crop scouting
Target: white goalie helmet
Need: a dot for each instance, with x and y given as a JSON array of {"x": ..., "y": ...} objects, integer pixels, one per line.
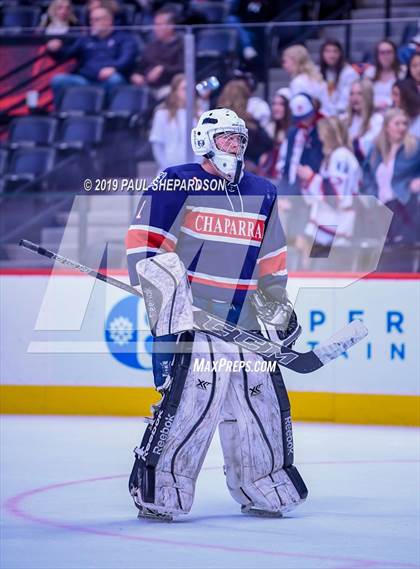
[{"x": 229, "y": 158}]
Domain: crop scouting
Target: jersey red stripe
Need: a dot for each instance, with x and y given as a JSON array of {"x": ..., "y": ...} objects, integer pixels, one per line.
[
  {"x": 219, "y": 284},
  {"x": 142, "y": 238},
  {"x": 273, "y": 264}
]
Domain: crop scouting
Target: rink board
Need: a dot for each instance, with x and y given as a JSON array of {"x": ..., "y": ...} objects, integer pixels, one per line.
[{"x": 71, "y": 345}]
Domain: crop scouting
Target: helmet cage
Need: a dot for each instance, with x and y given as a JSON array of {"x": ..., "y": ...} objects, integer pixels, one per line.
[
  {"x": 228, "y": 162},
  {"x": 232, "y": 136}
]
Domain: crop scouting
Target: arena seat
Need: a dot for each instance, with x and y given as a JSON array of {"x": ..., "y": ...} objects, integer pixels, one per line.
[
  {"x": 128, "y": 102},
  {"x": 86, "y": 100},
  {"x": 77, "y": 133},
  {"x": 28, "y": 164},
  {"x": 20, "y": 16},
  {"x": 31, "y": 131}
]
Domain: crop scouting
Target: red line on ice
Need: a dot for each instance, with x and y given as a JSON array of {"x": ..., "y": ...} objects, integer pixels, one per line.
[{"x": 13, "y": 505}]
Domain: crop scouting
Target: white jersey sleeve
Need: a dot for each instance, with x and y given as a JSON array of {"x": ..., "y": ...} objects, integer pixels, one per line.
[
  {"x": 367, "y": 139},
  {"x": 336, "y": 184},
  {"x": 344, "y": 175},
  {"x": 339, "y": 177}
]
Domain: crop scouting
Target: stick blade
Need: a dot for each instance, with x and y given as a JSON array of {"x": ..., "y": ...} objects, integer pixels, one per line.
[
  {"x": 341, "y": 341},
  {"x": 28, "y": 245}
]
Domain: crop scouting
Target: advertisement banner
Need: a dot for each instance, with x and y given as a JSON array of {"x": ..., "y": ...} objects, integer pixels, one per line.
[{"x": 71, "y": 331}]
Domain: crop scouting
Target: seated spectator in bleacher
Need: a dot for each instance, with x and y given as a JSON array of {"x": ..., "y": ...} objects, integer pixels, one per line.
[
  {"x": 277, "y": 129},
  {"x": 302, "y": 145},
  {"x": 105, "y": 57},
  {"x": 168, "y": 134},
  {"x": 244, "y": 34},
  {"x": 413, "y": 69},
  {"x": 163, "y": 57},
  {"x": 406, "y": 97},
  {"x": 406, "y": 52},
  {"x": 113, "y": 5},
  {"x": 392, "y": 174},
  {"x": 109, "y": 4},
  {"x": 251, "y": 39},
  {"x": 146, "y": 11},
  {"x": 338, "y": 75},
  {"x": 361, "y": 120},
  {"x": 58, "y": 18},
  {"x": 306, "y": 78},
  {"x": 386, "y": 70},
  {"x": 334, "y": 186},
  {"x": 235, "y": 96}
]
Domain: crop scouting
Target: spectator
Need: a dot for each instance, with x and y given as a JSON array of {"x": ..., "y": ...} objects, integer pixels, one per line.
[
  {"x": 392, "y": 174},
  {"x": 277, "y": 129},
  {"x": 252, "y": 38},
  {"x": 105, "y": 57},
  {"x": 111, "y": 5},
  {"x": 361, "y": 120},
  {"x": 406, "y": 97},
  {"x": 302, "y": 145},
  {"x": 384, "y": 73},
  {"x": 335, "y": 185},
  {"x": 235, "y": 96},
  {"x": 407, "y": 51},
  {"x": 306, "y": 78},
  {"x": 59, "y": 18},
  {"x": 168, "y": 134},
  {"x": 337, "y": 74},
  {"x": 245, "y": 36},
  {"x": 163, "y": 57},
  {"x": 257, "y": 107},
  {"x": 413, "y": 70}
]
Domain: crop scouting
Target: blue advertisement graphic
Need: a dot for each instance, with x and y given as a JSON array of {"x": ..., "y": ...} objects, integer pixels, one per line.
[{"x": 127, "y": 342}]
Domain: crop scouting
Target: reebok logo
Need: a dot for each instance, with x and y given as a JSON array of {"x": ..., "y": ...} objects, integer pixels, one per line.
[
  {"x": 288, "y": 434},
  {"x": 163, "y": 435}
]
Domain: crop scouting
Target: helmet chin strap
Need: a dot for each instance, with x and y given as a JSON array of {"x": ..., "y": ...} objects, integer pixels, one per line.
[{"x": 238, "y": 171}]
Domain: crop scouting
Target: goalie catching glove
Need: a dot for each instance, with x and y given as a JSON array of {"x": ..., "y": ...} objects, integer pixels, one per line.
[{"x": 276, "y": 316}]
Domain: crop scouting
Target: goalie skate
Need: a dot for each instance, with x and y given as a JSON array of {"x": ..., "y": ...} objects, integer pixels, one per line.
[
  {"x": 249, "y": 509},
  {"x": 148, "y": 514}
]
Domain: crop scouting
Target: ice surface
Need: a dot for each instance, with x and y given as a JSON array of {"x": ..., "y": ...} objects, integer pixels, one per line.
[{"x": 65, "y": 502}]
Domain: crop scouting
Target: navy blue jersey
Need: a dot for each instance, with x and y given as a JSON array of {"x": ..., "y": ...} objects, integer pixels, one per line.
[
  {"x": 229, "y": 238},
  {"x": 118, "y": 50}
]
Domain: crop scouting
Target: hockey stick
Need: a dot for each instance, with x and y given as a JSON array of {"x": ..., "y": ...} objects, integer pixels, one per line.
[{"x": 300, "y": 362}]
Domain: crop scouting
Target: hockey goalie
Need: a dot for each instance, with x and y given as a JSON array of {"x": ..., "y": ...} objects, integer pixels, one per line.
[{"x": 209, "y": 236}]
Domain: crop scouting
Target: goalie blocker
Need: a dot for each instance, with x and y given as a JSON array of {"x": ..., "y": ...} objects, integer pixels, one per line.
[{"x": 252, "y": 411}]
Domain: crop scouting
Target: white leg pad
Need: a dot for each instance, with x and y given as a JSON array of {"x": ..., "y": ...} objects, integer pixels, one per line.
[
  {"x": 177, "y": 454},
  {"x": 251, "y": 434}
]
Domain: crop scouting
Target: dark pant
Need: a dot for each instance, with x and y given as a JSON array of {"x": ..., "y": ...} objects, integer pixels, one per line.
[
  {"x": 63, "y": 80},
  {"x": 405, "y": 224}
]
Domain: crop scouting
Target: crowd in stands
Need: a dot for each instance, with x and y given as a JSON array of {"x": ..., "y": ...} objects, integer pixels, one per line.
[{"x": 337, "y": 129}]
